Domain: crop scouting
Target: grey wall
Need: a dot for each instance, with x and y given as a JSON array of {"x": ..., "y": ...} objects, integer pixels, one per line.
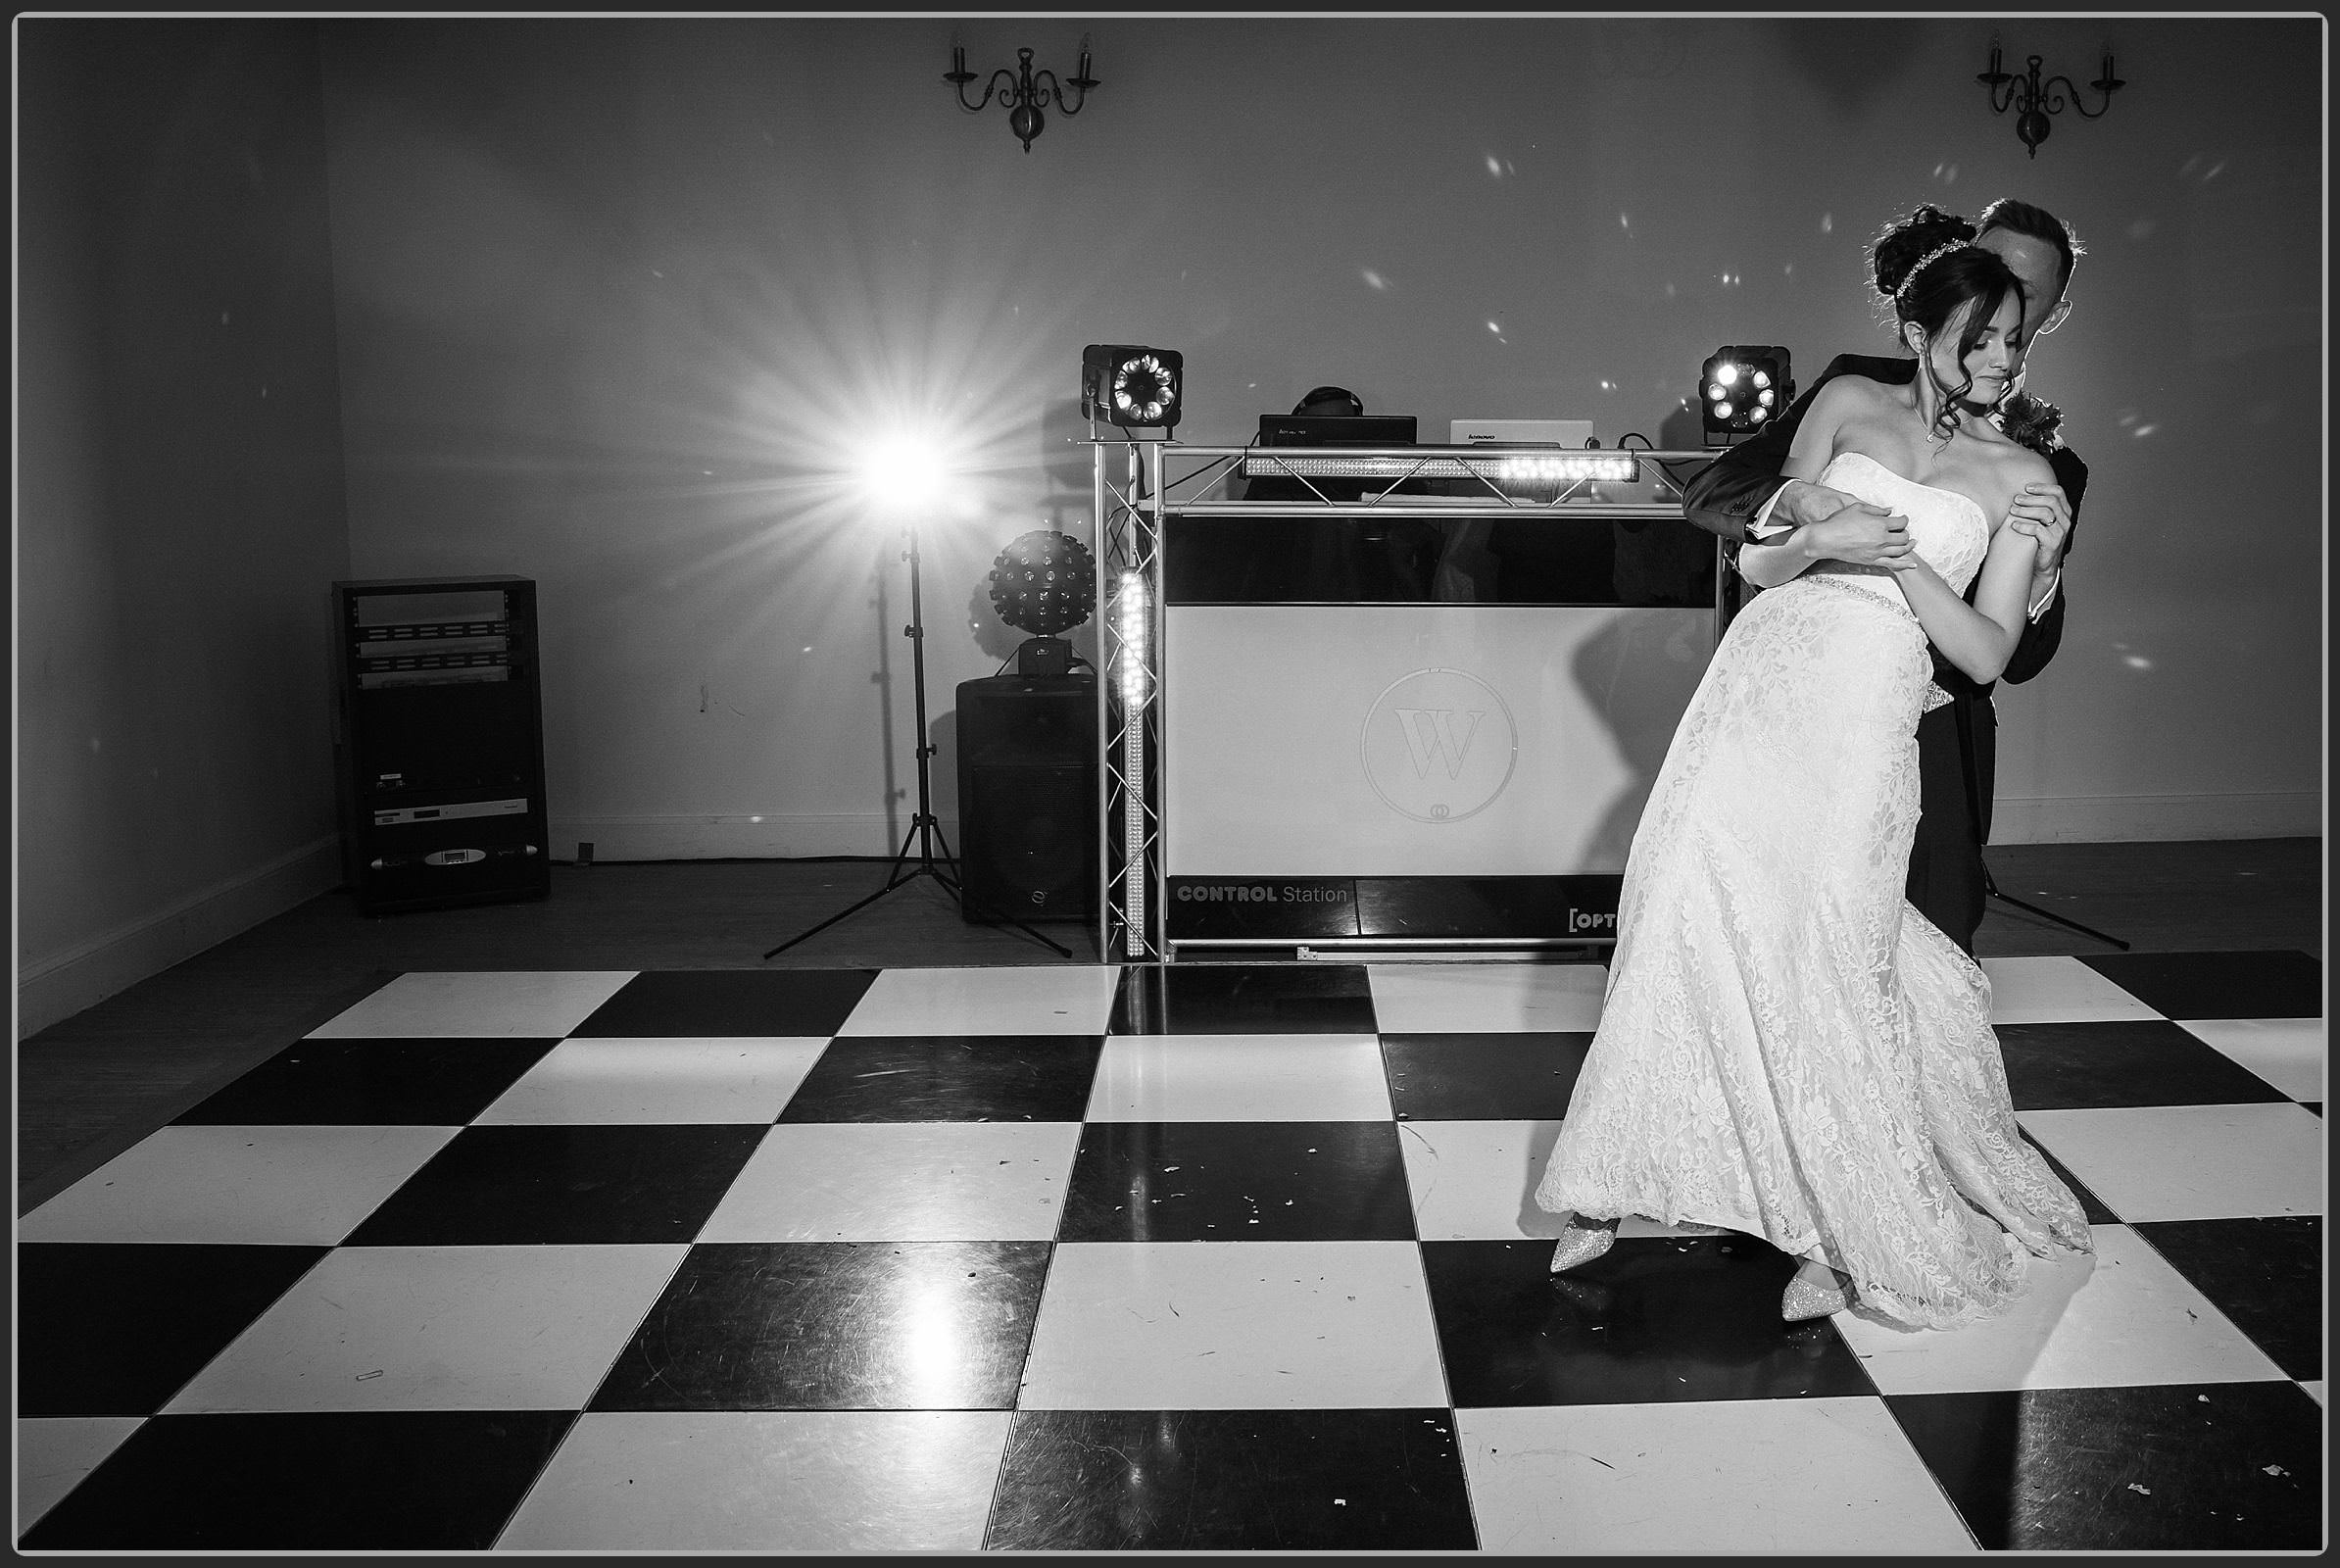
[
  {"x": 612, "y": 304},
  {"x": 620, "y": 298},
  {"x": 179, "y": 495}
]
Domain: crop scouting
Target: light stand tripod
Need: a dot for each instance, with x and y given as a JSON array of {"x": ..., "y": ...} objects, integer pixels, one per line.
[
  {"x": 1990, "y": 885},
  {"x": 1992, "y": 889},
  {"x": 925, "y": 828}
]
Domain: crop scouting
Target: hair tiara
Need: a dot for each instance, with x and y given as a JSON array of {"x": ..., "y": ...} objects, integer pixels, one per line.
[{"x": 1925, "y": 261}]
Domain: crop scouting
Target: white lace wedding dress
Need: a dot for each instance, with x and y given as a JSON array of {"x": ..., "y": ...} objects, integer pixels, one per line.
[{"x": 1789, "y": 1049}]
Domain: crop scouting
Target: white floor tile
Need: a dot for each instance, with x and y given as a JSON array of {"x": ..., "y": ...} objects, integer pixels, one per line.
[
  {"x": 2122, "y": 1317},
  {"x": 658, "y": 1082},
  {"x": 1234, "y": 1326},
  {"x": 2056, "y": 990},
  {"x": 1486, "y": 997},
  {"x": 1474, "y": 1181},
  {"x": 291, "y": 1184},
  {"x": 54, "y": 1453},
  {"x": 1240, "y": 1078},
  {"x": 766, "y": 1480},
  {"x": 2315, "y": 1390},
  {"x": 1010, "y": 1000},
  {"x": 528, "y": 1005},
  {"x": 1796, "y": 1477},
  {"x": 901, "y": 1182},
  {"x": 2151, "y": 1162},
  {"x": 439, "y": 1327},
  {"x": 2287, "y": 1052}
]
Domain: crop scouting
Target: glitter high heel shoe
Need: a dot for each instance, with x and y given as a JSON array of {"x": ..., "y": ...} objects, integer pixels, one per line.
[
  {"x": 1817, "y": 1291},
  {"x": 1582, "y": 1241}
]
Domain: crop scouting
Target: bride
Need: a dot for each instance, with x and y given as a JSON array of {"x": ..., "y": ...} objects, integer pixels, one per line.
[{"x": 1788, "y": 1048}]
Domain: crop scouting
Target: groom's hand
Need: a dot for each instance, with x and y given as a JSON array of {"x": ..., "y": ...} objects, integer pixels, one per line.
[
  {"x": 1803, "y": 501},
  {"x": 1856, "y": 532}
]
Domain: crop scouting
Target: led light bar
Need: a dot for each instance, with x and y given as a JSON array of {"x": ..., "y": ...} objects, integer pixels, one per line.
[
  {"x": 1135, "y": 618},
  {"x": 1516, "y": 467}
]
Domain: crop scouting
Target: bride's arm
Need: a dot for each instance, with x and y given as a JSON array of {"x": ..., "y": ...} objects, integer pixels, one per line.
[
  {"x": 1978, "y": 637},
  {"x": 1858, "y": 532}
]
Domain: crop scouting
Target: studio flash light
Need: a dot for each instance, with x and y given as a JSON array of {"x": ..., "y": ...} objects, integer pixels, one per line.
[
  {"x": 1043, "y": 582},
  {"x": 1742, "y": 389},
  {"x": 1133, "y": 387}
]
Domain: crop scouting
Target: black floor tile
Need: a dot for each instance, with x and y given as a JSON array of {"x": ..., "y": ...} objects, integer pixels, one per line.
[
  {"x": 2265, "y": 1274},
  {"x": 1483, "y": 1077},
  {"x": 1232, "y": 1481},
  {"x": 117, "y": 1328},
  {"x": 1242, "y": 999},
  {"x": 383, "y": 1083},
  {"x": 2093, "y": 1208},
  {"x": 2178, "y": 1468},
  {"x": 1652, "y": 1320},
  {"x": 722, "y": 1004},
  {"x": 2138, "y": 1061},
  {"x": 1202, "y": 1181},
  {"x": 2217, "y": 985},
  {"x": 530, "y": 1184},
  {"x": 836, "y": 1326},
  {"x": 372, "y": 1481},
  {"x": 2315, "y": 1106},
  {"x": 949, "y": 1078}
]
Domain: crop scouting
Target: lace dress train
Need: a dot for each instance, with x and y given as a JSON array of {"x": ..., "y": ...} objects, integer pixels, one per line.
[{"x": 1788, "y": 1048}]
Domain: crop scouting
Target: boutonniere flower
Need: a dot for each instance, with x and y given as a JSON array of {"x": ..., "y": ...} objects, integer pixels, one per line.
[{"x": 2029, "y": 421}]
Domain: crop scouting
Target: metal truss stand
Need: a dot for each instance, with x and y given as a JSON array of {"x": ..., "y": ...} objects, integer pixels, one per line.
[
  {"x": 1128, "y": 721},
  {"x": 925, "y": 828}
]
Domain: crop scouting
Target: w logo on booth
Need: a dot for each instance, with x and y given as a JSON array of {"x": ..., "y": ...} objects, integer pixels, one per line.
[
  {"x": 1438, "y": 745},
  {"x": 1431, "y": 732}
]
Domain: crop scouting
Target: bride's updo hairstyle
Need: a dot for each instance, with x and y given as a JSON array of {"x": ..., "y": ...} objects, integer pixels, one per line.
[{"x": 1929, "y": 269}]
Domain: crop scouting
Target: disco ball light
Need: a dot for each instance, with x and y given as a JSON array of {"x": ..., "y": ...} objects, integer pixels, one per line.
[{"x": 1043, "y": 582}]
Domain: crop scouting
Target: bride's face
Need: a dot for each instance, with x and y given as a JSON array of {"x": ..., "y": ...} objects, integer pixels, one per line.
[{"x": 1992, "y": 362}]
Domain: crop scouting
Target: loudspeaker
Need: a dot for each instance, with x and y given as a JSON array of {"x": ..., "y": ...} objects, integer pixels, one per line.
[
  {"x": 1027, "y": 797},
  {"x": 439, "y": 742}
]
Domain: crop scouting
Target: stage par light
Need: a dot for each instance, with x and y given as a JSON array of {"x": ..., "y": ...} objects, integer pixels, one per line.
[
  {"x": 1133, "y": 387},
  {"x": 1740, "y": 390}
]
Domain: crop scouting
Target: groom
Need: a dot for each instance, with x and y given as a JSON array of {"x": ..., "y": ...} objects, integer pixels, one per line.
[{"x": 1741, "y": 496}]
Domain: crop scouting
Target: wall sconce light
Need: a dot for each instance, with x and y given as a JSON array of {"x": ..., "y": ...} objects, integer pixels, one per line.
[
  {"x": 1023, "y": 90},
  {"x": 2033, "y": 100}
]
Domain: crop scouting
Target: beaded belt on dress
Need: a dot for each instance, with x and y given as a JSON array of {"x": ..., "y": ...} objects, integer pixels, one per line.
[{"x": 1936, "y": 697}]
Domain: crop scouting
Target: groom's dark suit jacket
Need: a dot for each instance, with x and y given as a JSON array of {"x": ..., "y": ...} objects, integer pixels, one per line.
[{"x": 1957, "y": 744}]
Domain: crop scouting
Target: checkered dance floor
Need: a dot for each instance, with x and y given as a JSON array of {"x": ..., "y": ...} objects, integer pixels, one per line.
[{"x": 1212, "y": 1256}]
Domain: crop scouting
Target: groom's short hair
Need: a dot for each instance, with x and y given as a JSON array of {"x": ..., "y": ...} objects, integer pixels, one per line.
[{"x": 2035, "y": 222}]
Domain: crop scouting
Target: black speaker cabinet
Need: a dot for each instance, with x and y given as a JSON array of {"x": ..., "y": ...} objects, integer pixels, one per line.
[
  {"x": 439, "y": 742},
  {"x": 1027, "y": 797}
]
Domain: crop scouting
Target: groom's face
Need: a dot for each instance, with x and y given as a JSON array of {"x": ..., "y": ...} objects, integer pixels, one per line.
[{"x": 2034, "y": 264}]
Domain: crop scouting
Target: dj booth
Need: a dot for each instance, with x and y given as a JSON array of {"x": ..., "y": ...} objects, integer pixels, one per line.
[{"x": 1364, "y": 700}]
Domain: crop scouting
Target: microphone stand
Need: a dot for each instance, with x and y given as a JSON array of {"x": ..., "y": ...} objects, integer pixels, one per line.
[{"x": 925, "y": 827}]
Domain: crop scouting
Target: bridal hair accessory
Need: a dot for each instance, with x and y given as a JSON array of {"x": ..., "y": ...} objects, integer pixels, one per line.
[{"x": 1924, "y": 262}]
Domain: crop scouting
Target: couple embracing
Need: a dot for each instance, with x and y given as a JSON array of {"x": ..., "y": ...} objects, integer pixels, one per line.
[{"x": 1796, "y": 1040}]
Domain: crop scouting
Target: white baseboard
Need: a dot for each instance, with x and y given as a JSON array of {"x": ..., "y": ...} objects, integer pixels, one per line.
[
  {"x": 53, "y": 988},
  {"x": 788, "y": 837},
  {"x": 2155, "y": 819},
  {"x": 2015, "y": 819}
]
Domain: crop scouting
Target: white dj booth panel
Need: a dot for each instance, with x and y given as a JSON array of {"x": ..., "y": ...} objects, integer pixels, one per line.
[{"x": 1417, "y": 740}]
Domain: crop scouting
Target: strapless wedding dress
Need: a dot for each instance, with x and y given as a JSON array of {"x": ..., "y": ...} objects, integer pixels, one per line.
[{"x": 1788, "y": 1047}]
